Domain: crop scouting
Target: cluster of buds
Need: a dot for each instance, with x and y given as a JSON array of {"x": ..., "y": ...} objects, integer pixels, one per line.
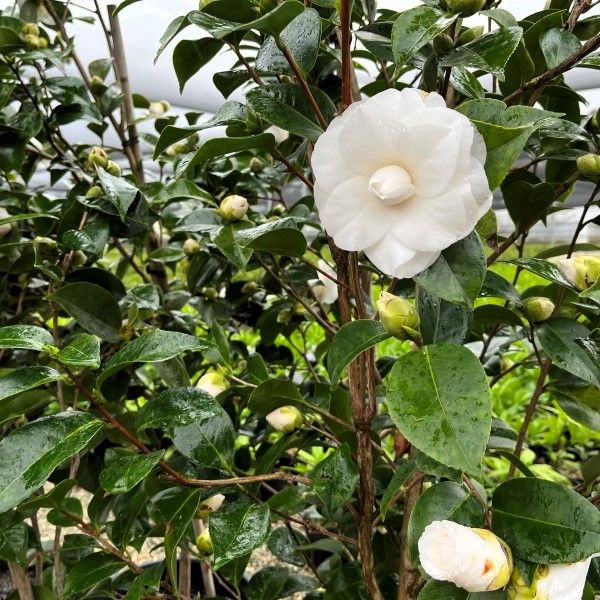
[
  {"x": 98, "y": 157},
  {"x": 30, "y": 34},
  {"x": 234, "y": 208},
  {"x": 399, "y": 316},
  {"x": 582, "y": 271},
  {"x": 285, "y": 419}
]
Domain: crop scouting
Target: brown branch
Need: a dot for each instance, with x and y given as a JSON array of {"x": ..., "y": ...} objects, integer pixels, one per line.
[
  {"x": 129, "y": 258},
  {"x": 280, "y": 157},
  {"x": 580, "y": 7},
  {"x": 245, "y": 480},
  {"x": 538, "y": 82}
]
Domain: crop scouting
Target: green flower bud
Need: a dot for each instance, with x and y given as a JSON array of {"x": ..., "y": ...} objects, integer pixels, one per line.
[
  {"x": 399, "y": 316},
  {"x": 250, "y": 287},
  {"x": 210, "y": 292},
  {"x": 464, "y": 8},
  {"x": 31, "y": 41},
  {"x": 94, "y": 192},
  {"x": 158, "y": 109},
  {"x": 30, "y": 29},
  {"x": 470, "y": 35},
  {"x": 589, "y": 165},
  {"x": 42, "y": 43},
  {"x": 538, "y": 308},
  {"x": 582, "y": 271},
  {"x": 285, "y": 419},
  {"x": 98, "y": 157},
  {"x": 256, "y": 165},
  {"x": 204, "y": 545},
  {"x": 234, "y": 208},
  {"x": 113, "y": 168},
  {"x": 96, "y": 81},
  {"x": 44, "y": 243},
  {"x": 79, "y": 258},
  {"x": 442, "y": 44},
  {"x": 191, "y": 247}
]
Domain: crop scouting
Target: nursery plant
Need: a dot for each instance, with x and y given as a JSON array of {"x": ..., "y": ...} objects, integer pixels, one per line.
[{"x": 293, "y": 327}]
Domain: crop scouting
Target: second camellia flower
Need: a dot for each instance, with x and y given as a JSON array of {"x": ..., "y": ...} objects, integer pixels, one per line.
[{"x": 400, "y": 176}]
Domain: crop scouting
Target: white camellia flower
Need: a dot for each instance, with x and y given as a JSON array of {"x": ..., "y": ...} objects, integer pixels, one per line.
[
  {"x": 214, "y": 383},
  {"x": 285, "y": 419},
  {"x": 553, "y": 582},
  {"x": 400, "y": 176},
  {"x": 473, "y": 559},
  {"x": 324, "y": 289},
  {"x": 209, "y": 505}
]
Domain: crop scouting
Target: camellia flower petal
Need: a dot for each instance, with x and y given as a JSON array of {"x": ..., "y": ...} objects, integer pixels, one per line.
[
  {"x": 324, "y": 289},
  {"x": 473, "y": 559},
  {"x": 400, "y": 176},
  {"x": 552, "y": 582}
]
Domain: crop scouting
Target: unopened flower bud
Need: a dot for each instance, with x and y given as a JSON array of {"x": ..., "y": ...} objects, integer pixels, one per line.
[
  {"x": 470, "y": 35},
  {"x": 582, "y": 271},
  {"x": 589, "y": 165},
  {"x": 213, "y": 383},
  {"x": 234, "y": 208},
  {"x": 96, "y": 81},
  {"x": 464, "y": 8},
  {"x": 210, "y": 292},
  {"x": 31, "y": 41},
  {"x": 285, "y": 419},
  {"x": 538, "y": 308},
  {"x": 30, "y": 29},
  {"x": 442, "y": 44},
  {"x": 209, "y": 505},
  {"x": 399, "y": 316},
  {"x": 45, "y": 243},
  {"x": 98, "y": 157},
  {"x": 284, "y": 316},
  {"x": 158, "y": 109},
  {"x": 42, "y": 43},
  {"x": 204, "y": 545},
  {"x": 94, "y": 192},
  {"x": 473, "y": 559},
  {"x": 79, "y": 258},
  {"x": 250, "y": 287},
  {"x": 191, "y": 247},
  {"x": 256, "y": 165},
  {"x": 5, "y": 228},
  {"x": 113, "y": 168}
]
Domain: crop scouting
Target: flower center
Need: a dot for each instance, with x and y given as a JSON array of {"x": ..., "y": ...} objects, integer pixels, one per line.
[{"x": 391, "y": 184}]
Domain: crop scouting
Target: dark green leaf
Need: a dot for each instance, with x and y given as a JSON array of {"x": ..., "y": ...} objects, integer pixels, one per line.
[
  {"x": 440, "y": 400},
  {"x": 334, "y": 479},
  {"x": 545, "y": 522},
  {"x": 444, "y": 590},
  {"x": 400, "y": 478},
  {"x": 458, "y": 274},
  {"x": 279, "y": 237},
  {"x": 350, "y": 340},
  {"x": 238, "y": 532},
  {"x": 29, "y": 454},
  {"x": 557, "y": 45},
  {"x": 118, "y": 190},
  {"x": 190, "y": 56},
  {"x": 92, "y": 307},
  {"x": 272, "y": 394},
  {"x": 82, "y": 352},
  {"x": 124, "y": 473},
  {"x": 22, "y": 379},
  {"x": 89, "y": 571},
  {"x": 28, "y": 337},
  {"x": 177, "y": 25},
  {"x": 544, "y": 269},
  {"x": 442, "y": 321}
]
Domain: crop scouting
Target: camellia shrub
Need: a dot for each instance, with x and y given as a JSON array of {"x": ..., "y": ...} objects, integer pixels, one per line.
[{"x": 302, "y": 333}]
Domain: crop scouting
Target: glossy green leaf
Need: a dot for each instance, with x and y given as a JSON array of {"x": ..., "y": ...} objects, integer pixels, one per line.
[
  {"x": 155, "y": 346},
  {"x": 440, "y": 400},
  {"x": 505, "y": 131},
  {"x": 349, "y": 341},
  {"x": 209, "y": 442},
  {"x": 236, "y": 533},
  {"x": 226, "y": 240},
  {"x": 14, "y": 538},
  {"x": 443, "y": 501},
  {"x": 545, "y": 522},
  {"x": 30, "y": 453},
  {"x": 557, "y": 338},
  {"x": 280, "y": 237},
  {"x": 272, "y": 394},
  {"x": 527, "y": 203},
  {"x": 90, "y": 571},
  {"x": 82, "y": 352},
  {"x": 118, "y": 191},
  {"x": 590, "y": 469},
  {"x": 27, "y": 337},
  {"x": 301, "y": 38},
  {"x": 392, "y": 491},
  {"x": 283, "y": 543},
  {"x": 190, "y": 56},
  {"x": 22, "y": 379},
  {"x": 458, "y": 274},
  {"x": 442, "y": 321},
  {"x": 544, "y": 269},
  {"x": 489, "y": 53},
  {"x": 558, "y": 45},
  {"x": 92, "y": 307},
  {"x": 177, "y": 25},
  {"x": 124, "y": 473},
  {"x": 334, "y": 479},
  {"x": 413, "y": 29},
  {"x": 272, "y": 583}
]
